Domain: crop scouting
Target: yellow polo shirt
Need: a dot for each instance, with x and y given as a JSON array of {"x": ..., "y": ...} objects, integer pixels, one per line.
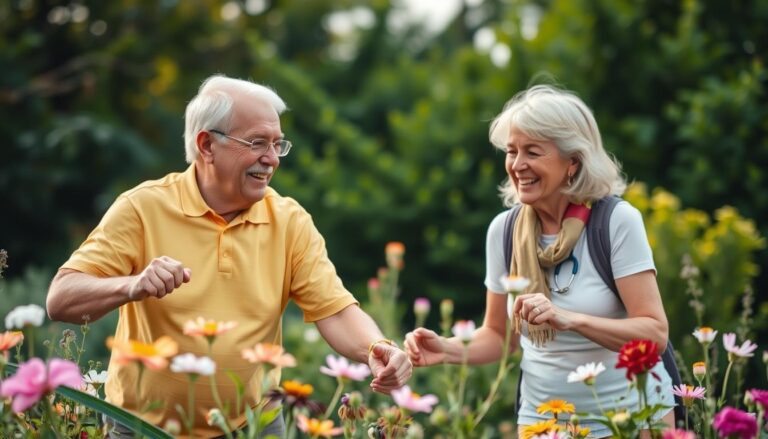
[{"x": 245, "y": 270}]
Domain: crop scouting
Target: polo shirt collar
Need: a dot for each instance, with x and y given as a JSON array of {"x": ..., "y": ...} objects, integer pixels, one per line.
[{"x": 193, "y": 204}]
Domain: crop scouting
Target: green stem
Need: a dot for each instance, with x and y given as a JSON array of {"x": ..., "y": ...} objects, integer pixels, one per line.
[
  {"x": 463, "y": 373},
  {"x": 500, "y": 374},
  {"x": 335, "y": 399},
  {"x": 721, "y": 401},
  {"x": 138, "y": 395},
  {"x": 215, "y": 389},
  {"x": 81, "y": 349},
  {"x": 31, "y": 345},
  {"x": 191, "y": 404},
  {"x": 53, "y": 419},
  {"x": 597, "y": 400}
]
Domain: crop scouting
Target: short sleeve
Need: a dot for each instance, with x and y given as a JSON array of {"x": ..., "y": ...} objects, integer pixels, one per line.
[
  {"x": 114, "y": 247},
  {"x": 494, "y": 254},
  {"x": 630, "y": 251},
  {"x": 315, "y": 286}
]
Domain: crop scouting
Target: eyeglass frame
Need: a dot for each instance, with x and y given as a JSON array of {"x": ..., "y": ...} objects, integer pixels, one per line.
[{"x": 285, "y": 145}]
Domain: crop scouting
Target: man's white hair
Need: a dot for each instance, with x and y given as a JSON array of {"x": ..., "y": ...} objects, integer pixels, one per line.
[{"x": 212, "y": 107}]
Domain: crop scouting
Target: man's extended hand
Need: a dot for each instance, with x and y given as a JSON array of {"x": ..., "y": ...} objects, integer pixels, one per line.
[
  {"x": 390, "y": 367},
  {"x": 161, "y": 277}
]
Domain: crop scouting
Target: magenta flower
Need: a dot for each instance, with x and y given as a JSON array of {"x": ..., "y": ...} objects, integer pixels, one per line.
[
  {"x": 733, "y": 422},
  {"x": 678, "y": 433},
  {"x": 760, "y": 397},
  {"x": 745, "y": 350},
  {"x": 339, "y": 367},
  {"x": 414, "y": 402},
  {"x": 33, "y": 380}
]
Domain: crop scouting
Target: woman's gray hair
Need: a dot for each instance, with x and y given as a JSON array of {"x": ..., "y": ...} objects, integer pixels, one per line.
[
  {"x": 547, "y": 113},
  {"x": 212, "y": 107}
]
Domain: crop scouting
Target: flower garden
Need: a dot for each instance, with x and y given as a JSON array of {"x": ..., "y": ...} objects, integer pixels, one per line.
[{"x": 57, "y": 392}]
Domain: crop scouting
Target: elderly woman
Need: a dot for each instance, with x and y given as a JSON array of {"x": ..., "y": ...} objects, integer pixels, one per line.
[{"x": 557, "y": 168}]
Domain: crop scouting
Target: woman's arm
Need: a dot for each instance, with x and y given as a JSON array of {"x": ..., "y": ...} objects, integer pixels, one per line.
[{"x": 426, "y": 348}]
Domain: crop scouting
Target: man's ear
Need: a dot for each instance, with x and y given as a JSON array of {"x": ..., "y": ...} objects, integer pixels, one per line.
[{"x": 204, "y": 146}]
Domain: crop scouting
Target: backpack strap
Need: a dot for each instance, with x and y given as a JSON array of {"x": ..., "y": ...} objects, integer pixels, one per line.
[
  {"x": 599, "y": 239},
  {"x": 509, "y": 225}
]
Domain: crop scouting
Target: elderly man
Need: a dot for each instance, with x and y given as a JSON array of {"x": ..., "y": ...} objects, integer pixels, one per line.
[{"x": 215, "y": 241}]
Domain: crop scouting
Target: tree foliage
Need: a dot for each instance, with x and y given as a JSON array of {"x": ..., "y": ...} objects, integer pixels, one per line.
[{"x": 389, "y": 120}]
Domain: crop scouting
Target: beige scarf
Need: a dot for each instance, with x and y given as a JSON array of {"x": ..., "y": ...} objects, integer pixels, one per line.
[{"x": 531, "y": 261}]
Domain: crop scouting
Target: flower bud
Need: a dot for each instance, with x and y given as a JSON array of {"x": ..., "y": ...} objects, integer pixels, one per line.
[
  {"x": 699, "y": 370},
  {"x": 446, "y": 309},
  {"x": 620, "y": 419},
  {"x": 421, "y": 307},
  {"x": 394, "y": 252},
  {"x": 172, "y": 427}
]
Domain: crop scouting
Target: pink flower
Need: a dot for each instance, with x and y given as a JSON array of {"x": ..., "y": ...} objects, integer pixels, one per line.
[
  {"x": 463, "y": 330},
  {"x": 421, "y": 306},
  {"x": 678, "y": 433},
  {"x": 33, "y": 380},
  {"x": 745, "y": 350},
  {"x": 760, "y": 397},
  {"x": 341, "y": 368},
  {"x": 269, "y": 353},
  {"x": 414, "y": 402},
  {"x": 688, "y": 393},
  {"x": 733, "y": 422}
]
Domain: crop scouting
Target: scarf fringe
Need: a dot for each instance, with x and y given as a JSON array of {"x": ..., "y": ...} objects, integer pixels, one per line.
[{"x": 539, "y": 335}]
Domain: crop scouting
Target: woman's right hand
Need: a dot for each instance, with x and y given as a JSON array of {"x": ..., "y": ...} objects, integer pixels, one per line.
[{"x": 424, "y": 347}]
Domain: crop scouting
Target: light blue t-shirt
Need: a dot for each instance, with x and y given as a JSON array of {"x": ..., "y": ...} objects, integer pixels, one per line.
[{"x": 546, "y": 368}]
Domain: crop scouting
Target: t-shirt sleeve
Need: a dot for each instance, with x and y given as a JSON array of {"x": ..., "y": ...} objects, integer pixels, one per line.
[
  {"x": 315, "y": 287},
  {"x": 114, "y": 246},
  {"x": 494, "y": 254},
  {"x": 630, "y": 251}
]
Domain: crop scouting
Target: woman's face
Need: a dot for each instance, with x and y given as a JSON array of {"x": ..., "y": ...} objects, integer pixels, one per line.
[{"x": 537, "y": 169}]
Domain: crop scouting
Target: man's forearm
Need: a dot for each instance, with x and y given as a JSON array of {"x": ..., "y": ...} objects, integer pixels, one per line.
[
  {"x": 76, "y": 297},
  {"x": 350, "y": 332}
]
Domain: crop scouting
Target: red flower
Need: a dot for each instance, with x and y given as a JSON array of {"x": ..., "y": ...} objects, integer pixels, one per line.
[{"x": 638, "y": 356}]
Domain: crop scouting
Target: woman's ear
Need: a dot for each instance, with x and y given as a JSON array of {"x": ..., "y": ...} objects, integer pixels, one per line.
[
  {"x": 574, "y": 167},
  {"x": 204, "y": 146}
]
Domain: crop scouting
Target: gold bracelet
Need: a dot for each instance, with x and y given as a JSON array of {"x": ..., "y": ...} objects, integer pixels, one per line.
[{"x": 383, "y": 340}]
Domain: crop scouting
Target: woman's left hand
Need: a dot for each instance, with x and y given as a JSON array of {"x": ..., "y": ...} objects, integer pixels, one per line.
[{"x": 537, "y": 309}]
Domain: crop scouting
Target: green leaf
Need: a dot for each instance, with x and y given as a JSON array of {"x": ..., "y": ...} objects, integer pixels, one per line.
[{"x": 130, "y": 421}]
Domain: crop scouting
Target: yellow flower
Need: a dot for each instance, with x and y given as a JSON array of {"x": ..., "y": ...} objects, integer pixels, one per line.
[
  {"x": 269, "y": 353},
  {"x": 297, "y": 389},
  {"x": 538, "y": 428},
  {"x": 207, "y": 328},
  {"x": 556, "y": 406},
  {"x": 317, "y": 428},
  {"x": 153, "y": 355}
]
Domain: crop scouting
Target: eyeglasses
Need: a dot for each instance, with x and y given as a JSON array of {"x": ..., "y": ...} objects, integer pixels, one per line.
[{"x": 282, "y": 146}]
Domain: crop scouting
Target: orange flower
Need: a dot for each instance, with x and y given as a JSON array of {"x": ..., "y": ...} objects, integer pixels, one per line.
[
  {"x": 269, "y": 353},
  {"x": 543, "y": 427},
  {"x": 556, "y": 406},
  {"x": 297, "y": 389},
  {"x": 394, "y": 252},
  {"x": 207, "y": 328},
  {"x": 154, "y": 355},
  {"x": 9, "y": 339},
  {"x": 317, "y": 428}
]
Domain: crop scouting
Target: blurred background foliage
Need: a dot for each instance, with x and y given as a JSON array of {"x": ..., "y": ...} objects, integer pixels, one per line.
[{"x": 389, "y": 119}]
